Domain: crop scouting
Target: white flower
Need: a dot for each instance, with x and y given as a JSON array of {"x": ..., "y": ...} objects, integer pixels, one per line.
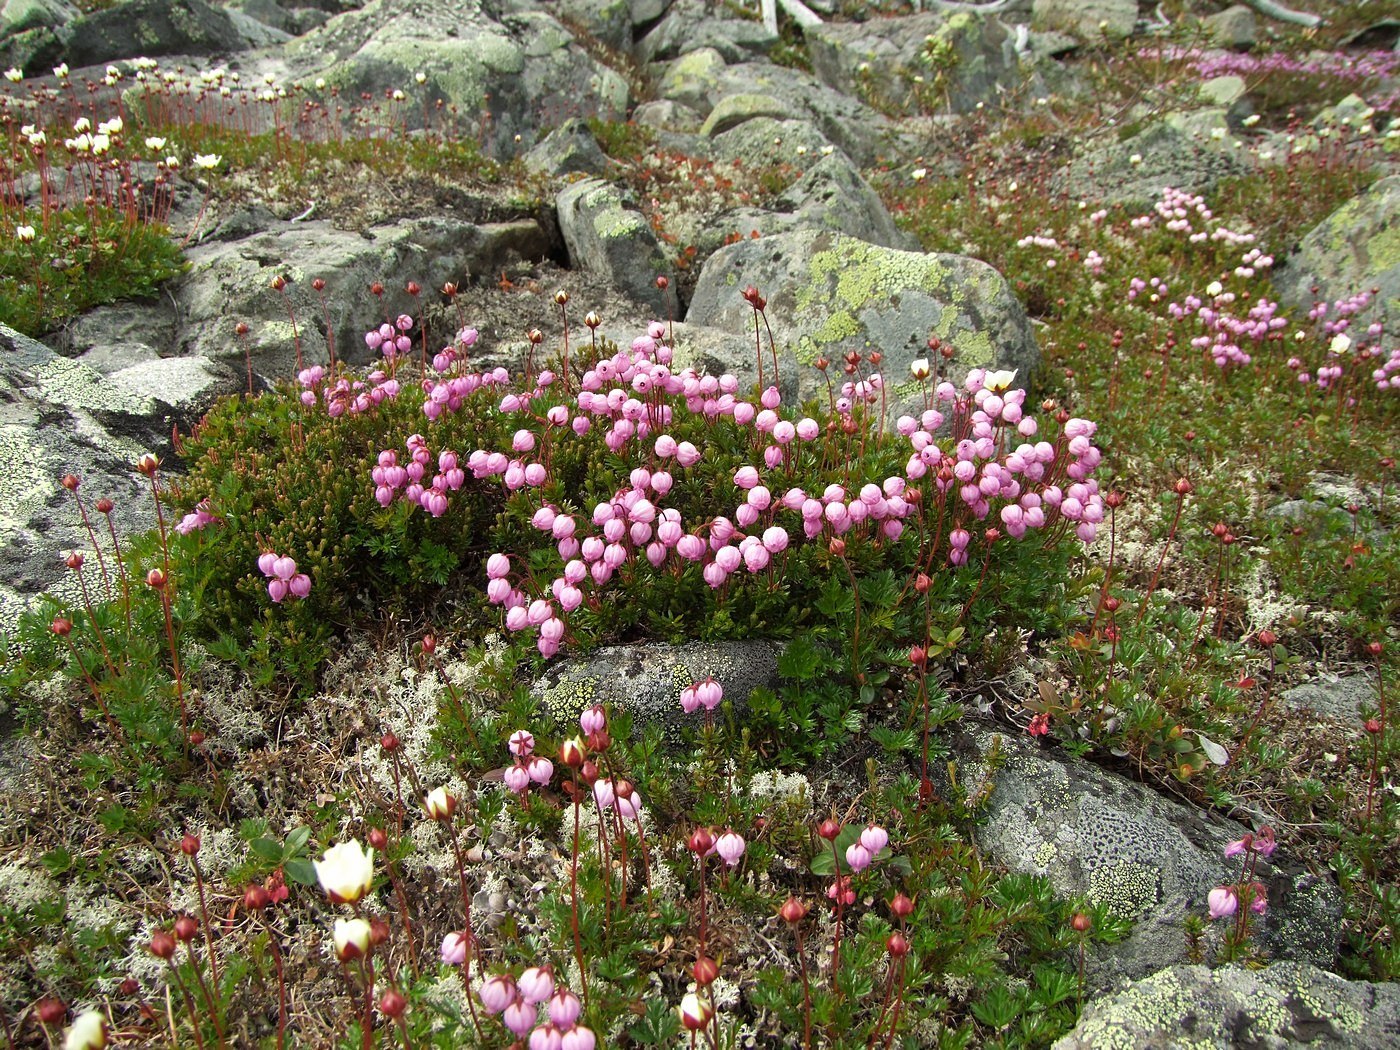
[
  {"x": 1217, "y": 133},
  {"x": 1266, "y": 154},
  {"x": 82, "y": 124},
  {"x": 421, "y": 78},
  {"x": 100, "y": 144},
  {"x": 398, "y": 95},
  {"x": 1214, "y": 288},
  {"x": 351, "y": 938},
  {"x": 998, "y": 381},
  {"x": 114, "y": 72},
  {"x": 38, "y": 138},
  {"x": 919, "y": 174},
  {"x": 24, "y": 233},
  {"x": 111, "y": 127},
  {"x": 440, "y": 804},
  {"x": 206, "y": 161},
  {"x": 61, "y": 71},
  {"x": 1136, "y": 158},
  {"x": 918, "y": 368},
  {"x": 1250, "y": 120},
  {"x": 320, "y": 83},
  {"x": 345, "y": 872},
  {"x": 13, "y": 75},
  {"x": 87, "y": 1032},
  {"x": 81, "y": 144},
  {"x": 1341, "y": 343},
  {"x": 268, "y": 78},
  {"x": 155, "y": 143},
  {"x": 172, "y": 162}
]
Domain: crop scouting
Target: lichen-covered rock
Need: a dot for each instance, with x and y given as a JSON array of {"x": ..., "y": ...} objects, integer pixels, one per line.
[
  {"x": 829, "y": 294},
  {"x": 568, "y": 149},
  {"x": 961, "y": 59},
  {"x": 607, "y": 234},
  {"x": 62, "y": 417},
  {"x": 1090, "y": 19},
  {"x": 158, "y": 27},
  {"x": 771, "y": 142},
  {"x": 230, "y": 282},
  {"x": 1149, "y": 858},
  {"x": 647, "y": 679},
  {"x": 1281, "y": 1006},
  {"x": 1354, "y": 249},
  {"x": 607, "y": 21},
  {"x": 855, "y": 128},
  {"x": 1343, "y": 701},
  {"x": 693, "y": 24},
  {"x": 16, "y": 16},
  {"x": 525, "y": 68},
  {"x": 1236, "y": 28},
  {"x": 833, "y": 196},
  {"x": 1135, "y": 170},
  {"x": 666, "y": 115},
  {"x": 693, "y": 80},
  {"x": 733, "y": 110}
]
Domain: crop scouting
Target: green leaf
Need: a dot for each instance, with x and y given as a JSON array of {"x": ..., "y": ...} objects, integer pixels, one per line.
[
  {"x": 300, "y": 871},
  {"x": 268, "y": 849},
  {"x": 296, "y": 841},
  {"x": 824, "y": 863}
]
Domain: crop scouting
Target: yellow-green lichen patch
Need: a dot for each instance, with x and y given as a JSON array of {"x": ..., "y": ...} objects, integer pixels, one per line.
[
  {"x": 1383, "y": 250},
  {"x": 1127, "y": 889},
  {"x": 28, "y": 480},
  {"x": 571, "y": 697},
  {"x": 63, "y": 382}
]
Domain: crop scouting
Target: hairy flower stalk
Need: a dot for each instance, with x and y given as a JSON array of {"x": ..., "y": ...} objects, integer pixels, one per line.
[
  {"x": 1182, "y": 488},
  {"x": 441, "y": 806}
]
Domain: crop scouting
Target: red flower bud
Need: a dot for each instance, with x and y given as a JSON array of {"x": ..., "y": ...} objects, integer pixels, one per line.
[
  {"x": 1080, "y": 922},
  {"x": 104, "y": 505},
  {"x": 897, "y": 946},
  {"x": 156, "y": 579},
  {"x": 702, "y": 840},
  {"x": 1267, "y": 638},
  {"x": 61, "y": 626},
  {"x": 389, "y": 741},
  {"x": 377, "y": 838},
  {"x": 162, "y": 945},
  {"x": 902, "y": 906},
  {"x": 189, "y": 845},
  {"x": 793, "y": 911},
  {"x": 51, "y": 1010},
  {"x": 186, "y": 927},
  {"x": 255, "y": 898},
  {"x": 829, "y": 829},
  {"x": 70, "y": 482},
  {"x": 705, "y": 971},
  {"x": 392, "y": 1003}
]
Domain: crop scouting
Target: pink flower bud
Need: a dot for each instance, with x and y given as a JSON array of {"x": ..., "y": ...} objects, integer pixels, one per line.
[{"x": 454, "y": 950}]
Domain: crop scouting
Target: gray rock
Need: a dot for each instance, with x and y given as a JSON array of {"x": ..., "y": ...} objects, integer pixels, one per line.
[
  {"x": 1222, "y": 91},
  {"x": 229, "y": 282},
  {"x": 646, "y": 12},
  {"x": 1284, "y": 1005},
  {"x": 607, "y": 234},
  {"x": 734, "y": 110},
  {"x": 156, "y": 27},
  {"x": 188, "y": 385},
  {"x": 668, "y": 116},
  {"x": 693, "y": 80},
  {"x": 693, "y": 24},
  {"x": 570, "y": 148},
  {"x": 1354, "y": 249},
  {"x": 1090, "y": 19},
  {"x": 268, "y": 12},
  {"x": 1149, "y": 858},
  {"x": 524, "y": 68},
  {"x": 833, "y": 196},
  {"x": 854, "y": 127},
  {"x": 829, "y": 294},
  {"x": 771, "y": 142},
  {"x": 607, "y": 21},
  {"x": 963, "y": 58},
  {"x": 18, "y": 15},
  {"x": 1235, "y": 28},
  {"x": 1339, "y": 700},
  {"x": 1166, "y": 157},
  {"x": 56, "y": 417},
  {"x": 647, "y": 679}
]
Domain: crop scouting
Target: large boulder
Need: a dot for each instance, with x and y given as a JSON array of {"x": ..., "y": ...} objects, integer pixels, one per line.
[
  {"x": 909, "y": 63},
  {"x": 17, "y": 16},
  {"x": 1284, "y": 1005},
  {"x": 231, "y": 282},
  {"x": 607, "y": 234},
  {"x": 1134, "y": 171},
  {"x": 693, "y": 24},
  {"x": 1147, "y": 857},
  {"x": 693, "y": 80},
  {"x": 855, "y": 128},
  {"x": 1090, "y": 19},
  {"x": 525, "y": 69},
  {"x": 829, "y": 294},
  {"x": 834, "y": 196},
  {"x": 647, "y": 679},
  {"x": 61, "y": 417},
  {"x": 1354, "y": 249},
  {"x": 160, "y": 27}
]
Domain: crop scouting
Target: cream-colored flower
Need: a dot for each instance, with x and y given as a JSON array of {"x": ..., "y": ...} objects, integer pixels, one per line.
[
  {"x": 24, "y": 234},
  {"x": 1341, "y": 343},
  {"x": 13, "y": 75},
  {"x": 87, "y": 1032},
  {"x": 345, "y": 872},
  {"x": 351, "y": 938},
  {"x": 440, "y": 804},
  {"x": 206, "y": 161},
  {"x": 1000, "y": 380},
  {"x": 1214, "y": 288},
  {"x": 155, "y": 143},
  {"x": 918, "y": 368}
]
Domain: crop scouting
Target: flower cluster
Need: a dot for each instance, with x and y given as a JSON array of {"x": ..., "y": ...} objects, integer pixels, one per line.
[
  {"x": 528, "y": 767},
  {"x": 201, "y": 516},
  {"x": 345, "y": 394},
  {"x": 517, "y": 1002},
  {"x": 283, "y": 578}
]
